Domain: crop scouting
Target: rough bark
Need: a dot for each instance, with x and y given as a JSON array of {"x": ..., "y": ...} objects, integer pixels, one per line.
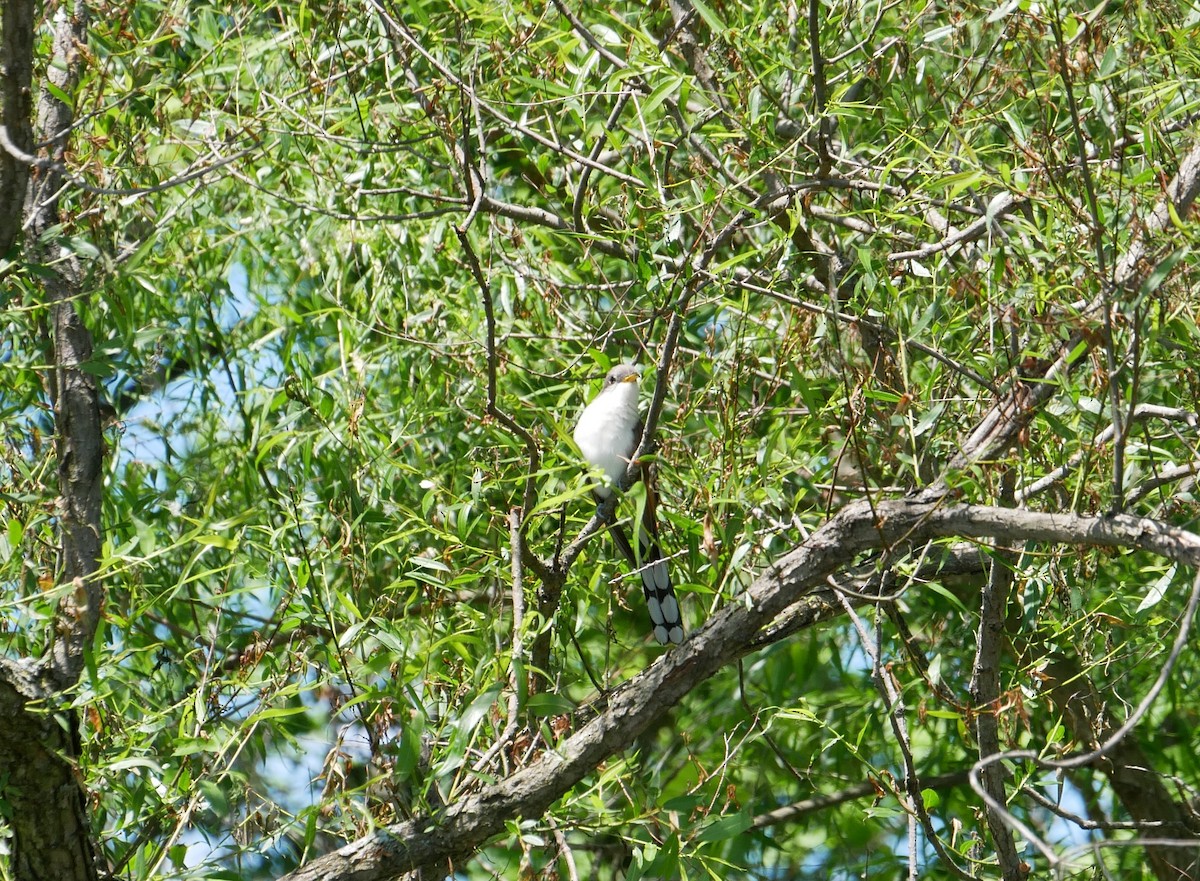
[
  {"x": 79, "y": 444},
  {"x": 51, "y": 838},
  {"x": 39, "y": 741},
  {"x": 16, "y": 106}
]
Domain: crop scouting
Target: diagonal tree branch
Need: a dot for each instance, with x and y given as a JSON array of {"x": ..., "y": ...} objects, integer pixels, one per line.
[{"x": 458, "y": 831}]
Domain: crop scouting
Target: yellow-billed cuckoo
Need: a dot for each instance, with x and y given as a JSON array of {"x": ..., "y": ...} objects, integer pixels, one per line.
[{"x": 608, "y": 433}]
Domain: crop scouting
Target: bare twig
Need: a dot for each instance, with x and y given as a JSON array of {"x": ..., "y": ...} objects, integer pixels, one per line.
[
  {"x": 1166, "y": 477},
  {"x": 541, "y": 217},
  {"x": 516, "y": 664},
  {"x": 1083, "y": 822},
  {"x": 871, "y": 789},
  {"x": 564, "y": 849},
  {"x": 1114, "y": 388},
  {"x": 894, "y": 703},
  {"x": 695, "y": 49},
  {"x": 580, "y": 28},
  {"x": 586, "y": 174}
]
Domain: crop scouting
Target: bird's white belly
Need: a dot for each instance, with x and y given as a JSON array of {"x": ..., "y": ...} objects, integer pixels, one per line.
[{"x": 606, "y": 443}]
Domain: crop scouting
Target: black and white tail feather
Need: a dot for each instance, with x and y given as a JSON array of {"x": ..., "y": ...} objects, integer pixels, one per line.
[{"x": 655, "y": 574}]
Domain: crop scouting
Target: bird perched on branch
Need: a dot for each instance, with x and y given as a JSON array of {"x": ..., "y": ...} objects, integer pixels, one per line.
[{"x": 607, "y": 434}]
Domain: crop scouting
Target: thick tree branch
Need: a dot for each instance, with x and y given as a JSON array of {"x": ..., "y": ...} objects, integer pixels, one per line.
[
  {"x": 40, "y": 741},
  {"x": 463, "y": 827},
  {"x": 51, "y": 839},
  {"x": 73, "y": 389},
  {"x": 820, "y": 99}
]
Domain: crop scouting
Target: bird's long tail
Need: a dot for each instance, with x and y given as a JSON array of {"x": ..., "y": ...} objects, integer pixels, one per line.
[{"x": 656, "y": 578}]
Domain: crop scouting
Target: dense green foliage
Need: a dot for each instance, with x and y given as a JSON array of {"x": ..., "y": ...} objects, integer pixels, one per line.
[{"x": 308, "y": 628}]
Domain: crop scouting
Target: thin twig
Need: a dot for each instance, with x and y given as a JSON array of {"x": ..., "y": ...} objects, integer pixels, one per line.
[
  {"x": 516, "y": 663},
  {"x": 564, "y": 848},
  {"x": 1083, "y": 822},
  {"x": 1090, "y": 757},
  {"x": 1167, "y": 476},
  {"x": 894, "y": 703},
  {"x": 493, "y": 362},
  {"x": 1114, "y": 390},
  {"x": 871, "y": 789},
  {"x": 753, "y": 715}
]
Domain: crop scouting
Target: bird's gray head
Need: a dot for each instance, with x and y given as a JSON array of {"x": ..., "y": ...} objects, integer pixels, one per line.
[{"x": 621, "y": 373}]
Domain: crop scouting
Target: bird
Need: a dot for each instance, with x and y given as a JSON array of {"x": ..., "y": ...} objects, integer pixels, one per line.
[{"x": 607, "y": 435}]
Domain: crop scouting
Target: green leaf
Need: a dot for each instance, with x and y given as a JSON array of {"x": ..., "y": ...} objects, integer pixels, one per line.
[
  {"x": 279, "y": 713},
  {"x": 725, "y": 828},
  {"x": 1163, "y": 269},
  {"x": 57, "y": 92},
  {"x": 478, "y": 708},
  {"x": 682, "y": 804},
  {"x": 218, "y": 801},
  {"x": 216, "y": 541},
  {"x": 1158, "y": 589},
  {"x": 549, "y": 704},
  {"x": 664, "y": 90},
  {"x": 16, "y": 533},
  {"x": 710, "y": 17}
]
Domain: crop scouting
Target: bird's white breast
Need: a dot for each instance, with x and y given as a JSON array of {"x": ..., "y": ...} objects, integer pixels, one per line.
[{"x": 605, "y": 433}]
